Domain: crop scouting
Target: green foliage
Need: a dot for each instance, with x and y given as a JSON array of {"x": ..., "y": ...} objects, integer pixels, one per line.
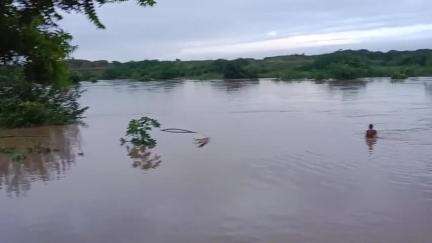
[
  {"x": 11, "y": 74},
  {"x": 23, "y": 104},
  {"x": 138, "y": 132},
  {"x": 235, "y": 69},
  {"x": 40, "y": 51},
  {"x": 356, "y": 64},
  {"x": 33, "y": 52},
  {"x": 342, "y": 65},
  {"x": 45, "y": 51},
  {"x": 31, "y": 38}
]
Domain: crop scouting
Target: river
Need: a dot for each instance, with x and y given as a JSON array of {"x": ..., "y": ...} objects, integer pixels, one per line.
[{"x": 286, "y": 162}]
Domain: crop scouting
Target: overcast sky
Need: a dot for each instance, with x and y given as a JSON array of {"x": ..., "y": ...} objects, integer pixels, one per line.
[{"x": 209, "y": 29}]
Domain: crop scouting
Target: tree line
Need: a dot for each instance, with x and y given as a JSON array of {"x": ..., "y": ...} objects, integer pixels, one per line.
[{"x": 343, "y": 64}]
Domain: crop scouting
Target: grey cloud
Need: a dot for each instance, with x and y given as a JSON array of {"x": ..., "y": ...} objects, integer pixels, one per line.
[{"x": 135, "y": 33}]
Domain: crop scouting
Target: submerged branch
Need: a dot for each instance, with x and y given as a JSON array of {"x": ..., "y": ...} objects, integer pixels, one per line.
[{"x": 177, "y": 130}]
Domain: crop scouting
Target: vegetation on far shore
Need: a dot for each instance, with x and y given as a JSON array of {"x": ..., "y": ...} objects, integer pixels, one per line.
[{"x": 341, "y": 65}]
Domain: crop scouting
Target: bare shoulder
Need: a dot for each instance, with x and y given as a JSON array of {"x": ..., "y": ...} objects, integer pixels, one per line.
[{"x": 371, "y": 133}]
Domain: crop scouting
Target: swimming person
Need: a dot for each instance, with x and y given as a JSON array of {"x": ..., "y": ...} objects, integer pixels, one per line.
[{"x": 371, "y": 133}]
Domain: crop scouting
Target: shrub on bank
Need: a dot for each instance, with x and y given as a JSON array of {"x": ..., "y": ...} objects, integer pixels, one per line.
[{"x": 23, "y": 104}]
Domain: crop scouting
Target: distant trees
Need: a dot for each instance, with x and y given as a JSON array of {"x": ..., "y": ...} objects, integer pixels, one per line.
[
  {"x": 235, "y": 69},
  {"x": 355, "y": 64},
  {"x": 342, "y": 65},
  {"x": 163, "y": 70}
]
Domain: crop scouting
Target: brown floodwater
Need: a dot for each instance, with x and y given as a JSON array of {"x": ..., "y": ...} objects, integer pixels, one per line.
[{"x": 286, "y": 162}]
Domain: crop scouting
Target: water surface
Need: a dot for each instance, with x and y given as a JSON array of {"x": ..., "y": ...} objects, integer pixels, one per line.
[{"x": 287, "y": 162}]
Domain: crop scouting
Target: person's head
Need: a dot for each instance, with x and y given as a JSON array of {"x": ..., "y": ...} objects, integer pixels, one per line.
[{"x": 370, "y": 126}]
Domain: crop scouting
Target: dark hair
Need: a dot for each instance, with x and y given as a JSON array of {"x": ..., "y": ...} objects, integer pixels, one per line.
[{"x": 370, "y": 126}]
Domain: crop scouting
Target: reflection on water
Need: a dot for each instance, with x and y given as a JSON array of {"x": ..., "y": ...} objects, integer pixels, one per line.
[
  {"x": 347, "y": 89},
  {"x": 52, "y": 151},
  {"x": 395, "y": 81},
  {"x": 371, "y": 142},
  {"x": 143, "y": 157},
  {"x": 428, "y": 88},
  {"x": 234, "y": 85},
  {"x": 152, "y": 86}
]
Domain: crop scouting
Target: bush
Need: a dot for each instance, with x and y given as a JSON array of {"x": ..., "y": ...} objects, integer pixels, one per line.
[{"x": 23, "y": 105}]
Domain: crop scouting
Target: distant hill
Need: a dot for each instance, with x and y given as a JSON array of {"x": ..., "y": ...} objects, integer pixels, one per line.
[{"x": 344, "y": 64}]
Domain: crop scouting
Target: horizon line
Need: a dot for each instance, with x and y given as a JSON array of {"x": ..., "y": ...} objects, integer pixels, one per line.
[{"x": 263, "y": 58}]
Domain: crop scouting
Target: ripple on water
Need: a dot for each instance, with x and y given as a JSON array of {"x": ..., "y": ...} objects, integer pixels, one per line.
[
  {"x": 324, "y": 187},
  {"x": 408, "y": 166},
  {"x": 301, "y": 170}
]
